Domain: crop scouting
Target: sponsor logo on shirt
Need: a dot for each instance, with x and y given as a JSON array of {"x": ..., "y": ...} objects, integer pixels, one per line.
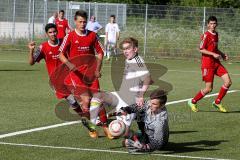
[
  {"x": 83, "y": 49},
  {"x": 55, "y": 56}
]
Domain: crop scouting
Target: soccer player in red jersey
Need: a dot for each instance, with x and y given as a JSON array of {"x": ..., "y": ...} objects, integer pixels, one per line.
[
  {"x": 62, "y": 26},
  {"x": 49, "y": 51},
  {"x": 211, "y": 66},
  {"x": 83, "y": 43}
]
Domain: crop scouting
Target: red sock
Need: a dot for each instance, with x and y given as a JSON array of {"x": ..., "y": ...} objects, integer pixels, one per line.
[
  {"x": 199, "y": 96},
  {"x": 85, "y": 113},
  {"x": 103, "y": 116},
  {"x": 221, "y": 94},
  {"x": 78, "y": 110}
]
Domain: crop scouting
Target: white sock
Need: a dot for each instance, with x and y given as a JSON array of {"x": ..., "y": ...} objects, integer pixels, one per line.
[{"x": 94, "y": 109}]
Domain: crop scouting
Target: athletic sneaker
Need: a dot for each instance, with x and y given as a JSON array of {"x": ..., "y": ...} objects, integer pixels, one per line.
[
  {"x": 93, "y": 134},
  {"x": 192, "y": 106},
  {"x": 91, "y": 127},
  {"x": 107, "y": 133},
  {"x": 219, "y": 107}
]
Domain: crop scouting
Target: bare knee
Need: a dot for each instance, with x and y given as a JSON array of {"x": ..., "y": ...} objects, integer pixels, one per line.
[
  {"x": 85, "y": 103},
  {"x": 228, "y": 83},
  {"x": 207, "y": 90}
]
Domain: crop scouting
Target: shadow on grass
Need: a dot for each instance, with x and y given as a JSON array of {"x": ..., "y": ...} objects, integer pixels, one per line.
[
  {"x": 209, "y": 111},
  {"x": 173, "y": 148},
  {"x": 191, "y": 146},
  {"x": 181, "y": 132},
  {"x": 17, "y": 70},
  {"x": 233, "y": 112},
  {"x": 221, "y": 112}
]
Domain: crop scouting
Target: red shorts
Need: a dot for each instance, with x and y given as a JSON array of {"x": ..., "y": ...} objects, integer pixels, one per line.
[
  {"x": 78, "y": 85},
  {"x": 61, "y": 95},
  {"x": 208, "y": 73}
]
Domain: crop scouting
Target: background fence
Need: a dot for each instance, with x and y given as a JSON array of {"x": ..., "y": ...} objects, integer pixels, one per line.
[{"x": 161, "y": 30}]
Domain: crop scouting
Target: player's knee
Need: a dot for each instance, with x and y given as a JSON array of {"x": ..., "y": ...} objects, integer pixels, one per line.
[
  {"x": 207, "y": 90},
  {"x": 228, "y": 83},
  {"x": 85, "y": 103}
]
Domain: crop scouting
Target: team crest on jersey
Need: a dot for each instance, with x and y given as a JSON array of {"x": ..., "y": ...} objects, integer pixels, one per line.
[
  {"x": 50, "y": 53},
  {"x": 76, "y": 41}
]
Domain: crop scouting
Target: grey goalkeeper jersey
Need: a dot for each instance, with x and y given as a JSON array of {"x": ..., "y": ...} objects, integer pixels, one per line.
[{"x": 156, "y": 125}]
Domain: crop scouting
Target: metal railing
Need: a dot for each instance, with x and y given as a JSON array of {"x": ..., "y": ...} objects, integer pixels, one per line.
[{"x": 161, "y": 30}]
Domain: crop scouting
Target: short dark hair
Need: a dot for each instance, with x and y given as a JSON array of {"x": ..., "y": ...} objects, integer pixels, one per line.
[
  {"x": 212, "y": 18},
  {"x": 62, "y": 11},
  {"x": 81, "y": 13},
  {"x": 130, "y": 40},
  {"x": 113, "y": 16},
  {"x": 50, "y": 25},
  {"x": 159, "y": 94}
]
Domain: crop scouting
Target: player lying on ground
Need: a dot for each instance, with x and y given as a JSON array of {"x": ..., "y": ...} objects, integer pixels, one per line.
[
  {"x": 49, "y": 52},
  {"x": 136, "y": 80},
  {"x": 153, "y": 118},
  {"x": 81, "y": 43},
  {"x": 211, "y": 66}
]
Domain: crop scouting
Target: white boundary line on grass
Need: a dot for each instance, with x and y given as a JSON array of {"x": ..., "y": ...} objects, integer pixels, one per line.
[
  {"x": 184, "y": 71},
  {"x": 207, "y": 96},
  {"x": 76, "y": 122},
  {"x": 38, "y": 129},
  {"x": 170, "y": 70},
  {"x": 107, "y": 151},
  {"x": 11, "y": 61}
]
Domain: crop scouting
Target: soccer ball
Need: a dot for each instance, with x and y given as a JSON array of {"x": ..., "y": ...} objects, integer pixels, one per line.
[{"x": 117, "y": 128}]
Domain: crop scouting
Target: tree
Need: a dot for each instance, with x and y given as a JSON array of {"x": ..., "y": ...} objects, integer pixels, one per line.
[{"x": 193, "y": 3}]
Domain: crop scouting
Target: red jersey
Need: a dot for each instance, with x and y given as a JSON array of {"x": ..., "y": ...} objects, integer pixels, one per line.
[
  {"x": 210, "y": 43},
  {"x": 62, "y": 25},
  {"x": 50, "y": 53},
  {"x": 77, "y": 44},
  {"x": 81, "y": 44}
]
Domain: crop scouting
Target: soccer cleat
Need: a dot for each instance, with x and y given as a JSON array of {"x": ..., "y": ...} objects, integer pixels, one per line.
[
  {"x": 93, "y": 134},
  {"x": 107, "y": 133},
  {"x": 219, "y": 107},
  {"x": 192, "y": 106},
  {"x": 88, "y": 124}
]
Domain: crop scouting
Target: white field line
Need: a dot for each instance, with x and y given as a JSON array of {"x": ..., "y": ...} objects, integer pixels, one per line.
[
  {"x": 106, "y": 66},
  {"x": 11, "y": 61},
  {"x": 184, "y": 71},
  {"x": 38, "y": 129},
  {"x": 76, "y": 122},
  {"x": 107, "y": 151},
  {"x": 207, "y": 96}
]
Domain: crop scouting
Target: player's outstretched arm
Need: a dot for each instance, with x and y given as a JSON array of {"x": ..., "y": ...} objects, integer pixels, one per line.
[{"x": 31, "y": 46}]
